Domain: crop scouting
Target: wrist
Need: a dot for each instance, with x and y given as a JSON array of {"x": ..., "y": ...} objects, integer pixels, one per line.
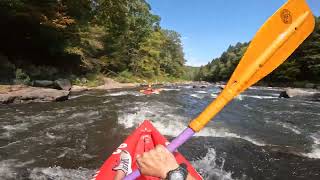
[
  {"x": 168, "y": 169},
  {"x": 179, "y": 173}
]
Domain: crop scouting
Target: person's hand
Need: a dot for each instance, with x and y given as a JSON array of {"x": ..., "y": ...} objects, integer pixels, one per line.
[{"x": 157, "y": 162}]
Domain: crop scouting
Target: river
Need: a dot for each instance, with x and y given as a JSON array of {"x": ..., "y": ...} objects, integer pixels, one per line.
[{"x": 256, "y": 136}]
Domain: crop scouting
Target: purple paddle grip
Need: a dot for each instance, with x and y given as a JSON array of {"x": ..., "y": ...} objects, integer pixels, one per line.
[
  {"x": 178, "y": 141},
  {"x": 182, "y": 138}
]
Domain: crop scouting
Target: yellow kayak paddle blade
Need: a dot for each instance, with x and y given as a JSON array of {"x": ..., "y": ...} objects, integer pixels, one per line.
[{"x": 274, "y": 42}]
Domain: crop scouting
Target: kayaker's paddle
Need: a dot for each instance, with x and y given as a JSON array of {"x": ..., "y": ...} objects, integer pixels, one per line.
[{"x": 275, "y": 41}]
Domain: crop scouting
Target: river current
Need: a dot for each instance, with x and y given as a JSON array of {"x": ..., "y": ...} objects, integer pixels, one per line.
[{"x": 256, "y": 136}]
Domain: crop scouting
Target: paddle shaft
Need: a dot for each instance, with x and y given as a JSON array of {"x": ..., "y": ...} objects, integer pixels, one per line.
[{"x": 178, "y": 141}]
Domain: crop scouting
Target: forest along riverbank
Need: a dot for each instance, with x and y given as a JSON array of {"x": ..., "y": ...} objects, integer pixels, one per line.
[{"x": 257, "y": 136}]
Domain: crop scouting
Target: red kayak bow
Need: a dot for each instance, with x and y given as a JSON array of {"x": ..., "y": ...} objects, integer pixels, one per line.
[{"x": 143, "y": 139}]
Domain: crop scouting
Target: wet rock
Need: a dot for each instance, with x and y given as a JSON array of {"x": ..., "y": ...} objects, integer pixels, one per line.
[
  {"x": 283, "y": 94},
  {"x": 33, "y": 94},
  {"x": 62, "y": 84},
  {"x": 203, "y": 86},
  {"x": 43, "y": 83},
  {"x": 307, "y": 94}
]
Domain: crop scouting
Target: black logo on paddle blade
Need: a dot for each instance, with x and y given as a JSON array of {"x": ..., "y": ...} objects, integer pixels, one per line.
[{"x": 286, "y": 16}]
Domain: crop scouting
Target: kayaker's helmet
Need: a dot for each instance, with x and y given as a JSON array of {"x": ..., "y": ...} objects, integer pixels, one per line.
[{"x": 149, "y": 85}]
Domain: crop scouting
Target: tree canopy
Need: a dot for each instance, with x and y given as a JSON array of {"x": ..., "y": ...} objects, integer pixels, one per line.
[{"x": 80, "y": 36}]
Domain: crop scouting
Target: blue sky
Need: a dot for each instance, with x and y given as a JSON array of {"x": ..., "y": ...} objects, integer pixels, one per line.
[{"x": 208, "y": 27}]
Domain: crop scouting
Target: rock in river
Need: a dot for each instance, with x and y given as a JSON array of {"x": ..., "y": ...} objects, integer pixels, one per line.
[
  {"x": 43, "y": 83},
  {"x": 309, "y": 94},
  {"x": 33, "y": 94},
  {"x": 63, "y": 84}
]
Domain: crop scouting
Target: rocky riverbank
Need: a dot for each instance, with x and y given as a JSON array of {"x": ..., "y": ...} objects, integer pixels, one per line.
[
  {"x": 51, "y": 91},
  {"x": 25, "y": 94}
]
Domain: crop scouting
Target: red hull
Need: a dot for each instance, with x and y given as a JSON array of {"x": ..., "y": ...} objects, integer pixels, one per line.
[
  {"x": 144, "y": 138},
  {"x": 153, "y": 91}
]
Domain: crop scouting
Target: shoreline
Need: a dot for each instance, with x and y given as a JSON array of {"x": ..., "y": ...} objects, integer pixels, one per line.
[{"x": 20, "y": 94}]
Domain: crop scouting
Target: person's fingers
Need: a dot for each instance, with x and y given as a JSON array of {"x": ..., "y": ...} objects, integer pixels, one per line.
[
  {"x": 140, "y": 161},
  {"x": 138, "y": 156},
  {"x": 160, "y": 149}
]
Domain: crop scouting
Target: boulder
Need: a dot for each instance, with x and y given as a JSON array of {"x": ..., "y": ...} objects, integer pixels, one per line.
[
  {"x": 307, "y": 94},
  {"x": 43, "y": 83},
  {"x": 283, "y": 94},
  {"x": 62, "y": 84},
  {"x": 33, "y": 94}
]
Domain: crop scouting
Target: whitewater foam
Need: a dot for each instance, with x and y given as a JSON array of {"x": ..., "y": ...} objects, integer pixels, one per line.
[
  {"x": 214, "y": 95},
  {"x": 89, "y": 114},
  {"x": 259, "y": 97},
  {"x": 8, "y": 168},
  {"x": 125, "y": 93},
  {"x": 196, "y": 96},
  {"x": 209, "y": 169},
  {"x": 239, "y": 97},
  {"x": 242, "y": 96},
  {"x": 315, "y": 152},
  {"x": 291, "y": 127},
  {"x": 201, "y": 92},
  {"x": 171, "y": 124},
  {"x": 12, "y": 129},
  {"x": 60, "y": 173},
  {"x": 170, "y": 89},
  {"x": 76, "y": 96}
]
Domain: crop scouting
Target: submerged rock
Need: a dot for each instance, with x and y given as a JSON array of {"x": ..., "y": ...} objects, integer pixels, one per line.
[{"x": 33, "y": 94}]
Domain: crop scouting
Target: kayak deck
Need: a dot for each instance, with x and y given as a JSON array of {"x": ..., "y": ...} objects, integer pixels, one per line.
[{"x": 143, "y": 139}]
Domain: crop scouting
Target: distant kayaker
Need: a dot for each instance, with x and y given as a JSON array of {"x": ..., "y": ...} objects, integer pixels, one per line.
[
  {"x": 158, "y": 162},
  {"x": 149, "y": 88}
]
